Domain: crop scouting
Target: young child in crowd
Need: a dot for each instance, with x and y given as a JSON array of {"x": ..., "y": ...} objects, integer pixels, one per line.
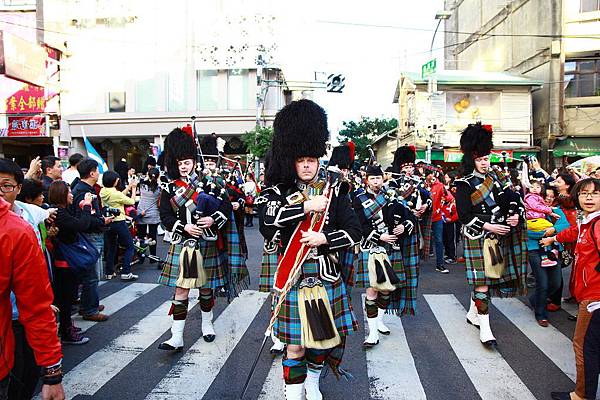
[{"x": 538, "y": 213}]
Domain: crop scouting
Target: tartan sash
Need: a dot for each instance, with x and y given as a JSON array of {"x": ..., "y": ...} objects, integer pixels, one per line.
[
  {"x": 377, "y": 204},
  {"x": 482, "y": 193},
  {"x": 185, "y": 191}
]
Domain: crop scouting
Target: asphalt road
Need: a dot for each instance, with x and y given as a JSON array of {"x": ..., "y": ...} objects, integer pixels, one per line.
[{"x": 433, "y": 355}]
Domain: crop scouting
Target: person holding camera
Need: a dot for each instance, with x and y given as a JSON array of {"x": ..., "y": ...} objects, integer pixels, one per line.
[
  {"x": 90, "y": 306},
  {"x": 118, "y": 232},
  {"x": 65, "y": 279}
]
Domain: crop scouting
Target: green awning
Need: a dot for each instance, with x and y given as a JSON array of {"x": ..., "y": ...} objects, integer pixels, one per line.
[
  {"x": 436, "y": 155},
  {"x": 577, "y": 147}
]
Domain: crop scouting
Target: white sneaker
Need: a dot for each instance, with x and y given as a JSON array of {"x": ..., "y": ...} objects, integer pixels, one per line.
[{"x": 129, "y": 277}]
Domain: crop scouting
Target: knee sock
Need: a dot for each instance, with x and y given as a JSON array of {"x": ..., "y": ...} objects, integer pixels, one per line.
[
  {"x": 315, "y": 358},
  {"x": 207, "y": 301},
  {"x": 294, "y": 370},
  {"x": 179, "y": 309},
  {"x": 371, "y": 308},
  {"x": 383, "y": 300},
  {"x": 482, "y": 302}
]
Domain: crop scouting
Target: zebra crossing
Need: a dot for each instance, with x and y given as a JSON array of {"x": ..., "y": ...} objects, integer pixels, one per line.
[{"x": 400, "y": 367}]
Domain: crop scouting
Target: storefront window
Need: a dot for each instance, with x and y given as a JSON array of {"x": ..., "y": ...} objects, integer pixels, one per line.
[
  {"x": 208, "y": 90},
  {"x": 582, "y": 78},
  {"x": 589, "y": 5},
  {"x": 150, "y": 94},
  {"x": 178, "y": 92},
  {"x": 238, "y": 89}
]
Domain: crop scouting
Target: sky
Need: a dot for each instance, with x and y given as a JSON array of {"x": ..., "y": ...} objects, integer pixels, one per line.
[{"x": 331, "y": 37}]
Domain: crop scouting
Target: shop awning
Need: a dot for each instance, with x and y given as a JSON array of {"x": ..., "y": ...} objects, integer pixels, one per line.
[
  {"x": 577, "y": 147},
  {"x": 455, "y": 155}
]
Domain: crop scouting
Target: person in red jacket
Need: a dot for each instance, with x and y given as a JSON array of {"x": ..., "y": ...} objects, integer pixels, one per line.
[
  {"x": 438, "y": 193},
  {"x": 23, "y": 271},
  {"x": 449, "y": 216},
  {"x": 585, "y": 286}
]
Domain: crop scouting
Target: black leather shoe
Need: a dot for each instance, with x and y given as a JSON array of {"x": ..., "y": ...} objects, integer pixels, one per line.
[
  {"x": 168, "y": 347},
  {"x": 208, "y": 338}
]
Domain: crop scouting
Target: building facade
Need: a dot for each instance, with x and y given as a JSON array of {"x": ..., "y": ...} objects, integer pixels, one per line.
[
  {"x": 135, "y": 70},
  {"x": 559, "y": 46}
]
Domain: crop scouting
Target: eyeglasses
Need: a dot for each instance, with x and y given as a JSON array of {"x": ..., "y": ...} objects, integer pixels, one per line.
[
  {"x": 593, "y": 195},
  {"x": 8, "y": 188}
]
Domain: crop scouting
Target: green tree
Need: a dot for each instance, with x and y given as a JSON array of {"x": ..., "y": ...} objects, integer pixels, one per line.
[
  {"x": 363, "y": 132},
  {"x": 258, "y": 140}
]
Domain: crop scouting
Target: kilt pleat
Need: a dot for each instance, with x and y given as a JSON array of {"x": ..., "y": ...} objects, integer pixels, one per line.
[
  {"x": 287, "y": 326},
  {"x": 268, "y": 267},
  {"x": 404, "y": 299},
  {"x": 513, "y": 280},
  {"x": 214, "y": 262}
]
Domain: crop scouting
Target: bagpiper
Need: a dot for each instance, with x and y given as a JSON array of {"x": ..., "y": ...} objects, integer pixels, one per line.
[
  {"x": 204, "y": 252},
  {"x": 495, "y": 239},
  {"x": 379, "y": 266},
  {"x": 315, "y": 221},
  {"x": 342, "y": 157}
]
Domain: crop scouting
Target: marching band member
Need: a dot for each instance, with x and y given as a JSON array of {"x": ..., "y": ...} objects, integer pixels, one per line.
[
  {"x": 315, "y": 220},
  {"x": 379, "y": 261},
  {"x": 197, "y": 212},
  {"x": 494, "y": 237}
]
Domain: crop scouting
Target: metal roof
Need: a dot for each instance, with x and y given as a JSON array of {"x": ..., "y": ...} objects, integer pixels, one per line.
[{"x": 464, "y": 77}]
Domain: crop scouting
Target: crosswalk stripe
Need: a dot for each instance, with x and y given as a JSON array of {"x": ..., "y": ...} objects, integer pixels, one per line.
[
  {"x": 273, "y": 388},
  {"x": 197, "y": 369},
  {"x": 91, "y": 374},
  {"x": 390, "y": 364},
  {"x": 556, "y": 346},
  {"x": 491, "y": 375},
  {"x": 116, "y": 301}
]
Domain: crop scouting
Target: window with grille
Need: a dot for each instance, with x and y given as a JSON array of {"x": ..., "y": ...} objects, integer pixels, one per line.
[
  {"x": 582, "y": 78},
  {"x": 589, "y": 5}
]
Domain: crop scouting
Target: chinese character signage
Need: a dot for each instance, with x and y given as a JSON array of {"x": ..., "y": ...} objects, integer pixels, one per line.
[
  {"x": 29, "y": 100},
  {"x": 27, "y": 126}
]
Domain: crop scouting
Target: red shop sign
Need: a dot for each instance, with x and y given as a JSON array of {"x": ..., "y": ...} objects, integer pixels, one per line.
[{"x": 27, "y": 126}]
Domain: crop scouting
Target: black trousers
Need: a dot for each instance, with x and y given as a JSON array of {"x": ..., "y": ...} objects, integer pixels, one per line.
[
  {"x": 4, "y": 387},
  {"x": 449, "y": 241},
  {"x": 148, "y": 231},
  {"x": 25, "y": 373},
  {"x": 249, "y": 221},
  {"x": 64, "y": 285}
]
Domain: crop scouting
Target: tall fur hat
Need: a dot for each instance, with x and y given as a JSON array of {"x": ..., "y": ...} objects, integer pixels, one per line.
[
  {"x": 208, "y": 145},
  {"x": 475, "y": 141},
  {"x": 374, "y": 170},
  {"x": 403, "y": 155},
  {"x": 299, "y": 130},
  {"x": 178, "y": 145},
  {"x": 342, "y": 156}
]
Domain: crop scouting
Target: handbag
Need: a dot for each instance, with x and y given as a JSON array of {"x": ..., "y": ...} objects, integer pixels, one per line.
[
  {"x": 493, "y": 257},
  {"x": 81, "y": 255}
]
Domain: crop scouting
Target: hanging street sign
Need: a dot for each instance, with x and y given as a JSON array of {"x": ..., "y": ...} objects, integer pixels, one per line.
[{"x": 428, "y": 68}]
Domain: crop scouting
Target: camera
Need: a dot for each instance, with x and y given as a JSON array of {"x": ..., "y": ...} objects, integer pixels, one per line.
[{"x": 110, "y": 212}]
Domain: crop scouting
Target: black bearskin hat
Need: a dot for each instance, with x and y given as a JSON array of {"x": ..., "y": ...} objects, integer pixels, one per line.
[
  {"x": 299, "y": 130},
  {"x": 475, "y": 142},
  {"x": 343, "y": 156},
  {"x": 374, "y": 170},
  {"x": 178, "y": 146},
  {"x": 403, "y": 155},
  {"x": 209, "y": 147}
]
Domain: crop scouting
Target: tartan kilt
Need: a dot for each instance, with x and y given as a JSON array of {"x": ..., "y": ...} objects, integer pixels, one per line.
[
  {"x": 287, "y": 326},
  {"x": 404, "y": 299},
  {"x": 268, "y": 267},
  {"x": 425, "y": 232},
  {"x": 512, "y": 282},
  {"x": 362, "y": 267},
  {"x": 214, "y": 262},
  {"x": 347, "y": 262}
]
